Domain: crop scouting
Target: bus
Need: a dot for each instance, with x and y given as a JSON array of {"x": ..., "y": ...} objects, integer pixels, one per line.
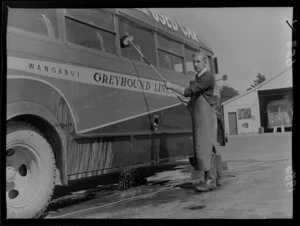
[{"x": 80, "y": 106}]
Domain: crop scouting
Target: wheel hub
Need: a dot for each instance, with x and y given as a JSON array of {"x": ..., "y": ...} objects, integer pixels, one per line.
[
  {"x": 22, "y": 175},
  {"x": 10, "y": 174},
  {"x": 30, "y": 171}
]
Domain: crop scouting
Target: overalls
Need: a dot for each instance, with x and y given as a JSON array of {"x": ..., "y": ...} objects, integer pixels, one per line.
[{"x": 203, "y": 117}]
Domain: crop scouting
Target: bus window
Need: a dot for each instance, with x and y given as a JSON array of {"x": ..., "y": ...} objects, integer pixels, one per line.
[
  {"x": 142, "y": 38},
  {"x": 189, "y": 61},
  {"x": 169, "y": 54},
  {"x": 39, "y": 21},
  {"x": 170, "y": 61},
  {"x": 209, "y": 64},
  {"x": 93, "y": 16},
  {"x": 91, "y": 28}
]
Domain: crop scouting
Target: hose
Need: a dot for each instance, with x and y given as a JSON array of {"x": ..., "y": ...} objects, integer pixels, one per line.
[
  {"x": 147, "y": 105},
  {"x": 126, "y": 200}
]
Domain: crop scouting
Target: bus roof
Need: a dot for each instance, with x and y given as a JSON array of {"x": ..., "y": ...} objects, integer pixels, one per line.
[{"x": 165, "y": 25}]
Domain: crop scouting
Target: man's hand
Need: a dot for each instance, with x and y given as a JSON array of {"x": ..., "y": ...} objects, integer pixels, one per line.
[
  {"x": 169, "y": 85},
  {"x": 176, "y": 88}
]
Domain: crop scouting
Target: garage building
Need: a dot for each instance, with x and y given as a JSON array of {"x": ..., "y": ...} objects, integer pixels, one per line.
[{"x": 267, "y": 107}]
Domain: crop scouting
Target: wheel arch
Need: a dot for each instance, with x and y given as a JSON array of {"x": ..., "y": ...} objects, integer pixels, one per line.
[{"x": 47, "y": 124}]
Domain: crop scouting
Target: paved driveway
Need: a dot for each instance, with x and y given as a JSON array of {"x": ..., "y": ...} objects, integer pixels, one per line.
[{"x": 257, "y": 184}]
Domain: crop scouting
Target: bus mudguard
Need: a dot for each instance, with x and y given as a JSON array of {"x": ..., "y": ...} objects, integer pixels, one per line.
[{"x": 43, "y": 101}]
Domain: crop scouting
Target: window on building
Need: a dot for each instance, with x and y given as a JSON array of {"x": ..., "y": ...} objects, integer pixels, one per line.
[
  {"x": 39, "y": 21},
  {"x": 244, "y": 113},
  {"x": 169, "y": 54},
  {"x": 143, "y": 39},
  {"x": 91, "y": 28}
]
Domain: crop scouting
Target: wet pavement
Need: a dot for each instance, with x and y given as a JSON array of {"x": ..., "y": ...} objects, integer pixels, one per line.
[{"x": 256, "y": 186}]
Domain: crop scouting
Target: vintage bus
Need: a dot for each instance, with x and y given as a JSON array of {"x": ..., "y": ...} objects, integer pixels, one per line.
[{"x": 79, "y": 105}]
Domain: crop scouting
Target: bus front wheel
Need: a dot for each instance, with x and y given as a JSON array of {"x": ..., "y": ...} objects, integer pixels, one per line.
[{"x": 30, "y": 171}]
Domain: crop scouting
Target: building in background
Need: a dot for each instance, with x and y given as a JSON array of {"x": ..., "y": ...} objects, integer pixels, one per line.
[{"x": 264, "y": 108}]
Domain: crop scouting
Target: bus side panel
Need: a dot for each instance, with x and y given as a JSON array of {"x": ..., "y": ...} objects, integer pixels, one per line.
[
  {"x": 87, "y": 157},
  {"x": 26, "y": 89},
  {"x": 98, "y": 106},
  {"x": 174, "y": 146},
  {"x": 173, "y": 134},
  {"x": 95, "y": 106},
  {"x": 132, "y": 150},
  {"x": 84, "y": 157},
  {"x": 103, "y": 155},
  {"x": 175, "y": 127}
]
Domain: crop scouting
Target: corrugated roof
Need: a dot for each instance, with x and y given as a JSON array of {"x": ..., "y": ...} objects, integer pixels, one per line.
[{"x": 256, "y": 87}]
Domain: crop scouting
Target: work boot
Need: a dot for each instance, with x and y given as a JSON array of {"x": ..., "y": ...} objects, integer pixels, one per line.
[
  {"x": 197, "y": 175},
  {"x": 208, "y": 184},
  {"x": 219, "y": 170}
]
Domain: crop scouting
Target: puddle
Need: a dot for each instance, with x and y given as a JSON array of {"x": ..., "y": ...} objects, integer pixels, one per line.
[
  {"x": 199, "y": 207},
  {"x": 244, "y": 160},
  {"x": 188, "y": 185},
  {"x": 161, "y": 182},
  {"x": 76, "y": 197}
]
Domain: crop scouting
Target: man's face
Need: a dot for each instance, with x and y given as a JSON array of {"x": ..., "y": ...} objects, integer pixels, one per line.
[{"x": 198, "y": 63}]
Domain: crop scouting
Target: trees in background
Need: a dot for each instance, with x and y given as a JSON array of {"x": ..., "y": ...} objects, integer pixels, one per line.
[
  {"x": 227, "y": 92},
  {"x": 259, "y": 79}
]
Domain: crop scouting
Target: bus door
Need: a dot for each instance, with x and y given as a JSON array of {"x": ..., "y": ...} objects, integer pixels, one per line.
[
  {"x": 171, "y": 123},
  {"x": 173, "y": 135}
]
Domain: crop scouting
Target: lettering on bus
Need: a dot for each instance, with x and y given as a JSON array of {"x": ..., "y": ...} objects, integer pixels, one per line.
[
  {"x": 55, "y": 70},
  {"x": 90, "y": 76},
  {"x": 188, "y": 32},
  {"x": 150, "y": 86},
  {"x": 121, "y": 81},
  {"x": 170, "y": 23}
]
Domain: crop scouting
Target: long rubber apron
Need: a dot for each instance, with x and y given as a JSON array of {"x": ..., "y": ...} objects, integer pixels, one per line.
[{"x": 203, "y": 132}]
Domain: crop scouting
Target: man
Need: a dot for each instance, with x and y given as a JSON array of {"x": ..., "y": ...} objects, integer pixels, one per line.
[{"x": 201, "y": 91}]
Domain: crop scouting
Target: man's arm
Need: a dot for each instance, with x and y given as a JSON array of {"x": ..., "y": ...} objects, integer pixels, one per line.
[
  {"x": 178, "y": 89},
  {"x": 201, "y": 84}
]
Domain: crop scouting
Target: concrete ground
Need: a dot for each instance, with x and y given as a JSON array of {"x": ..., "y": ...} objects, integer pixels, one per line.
[{"x": 257, "y": 185}]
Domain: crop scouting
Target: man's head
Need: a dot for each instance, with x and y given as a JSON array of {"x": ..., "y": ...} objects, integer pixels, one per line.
[{"x": 199, "y": 61}]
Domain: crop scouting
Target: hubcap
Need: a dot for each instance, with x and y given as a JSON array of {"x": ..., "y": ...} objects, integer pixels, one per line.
[
  {"x": 23, "y": 175},
  {"x": 10, "y": 174}
]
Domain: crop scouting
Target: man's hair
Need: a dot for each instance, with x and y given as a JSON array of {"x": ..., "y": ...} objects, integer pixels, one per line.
[{"x": 203, "y": 56}]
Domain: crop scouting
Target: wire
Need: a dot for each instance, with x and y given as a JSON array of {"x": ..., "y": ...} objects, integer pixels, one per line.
[{"x": 112, "y": 203}]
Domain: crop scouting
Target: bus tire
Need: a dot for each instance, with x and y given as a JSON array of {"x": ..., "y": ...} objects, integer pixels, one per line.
[{"x": 30, "y": 171}]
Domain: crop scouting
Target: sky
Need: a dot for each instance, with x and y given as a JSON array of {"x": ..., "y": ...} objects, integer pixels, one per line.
[{"x": 246, "y": 41}]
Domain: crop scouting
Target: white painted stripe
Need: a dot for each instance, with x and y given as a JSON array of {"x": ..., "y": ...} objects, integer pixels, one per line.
[
  {"x": 128, "y": 118},
  {"x": 90, "y": 76}
]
